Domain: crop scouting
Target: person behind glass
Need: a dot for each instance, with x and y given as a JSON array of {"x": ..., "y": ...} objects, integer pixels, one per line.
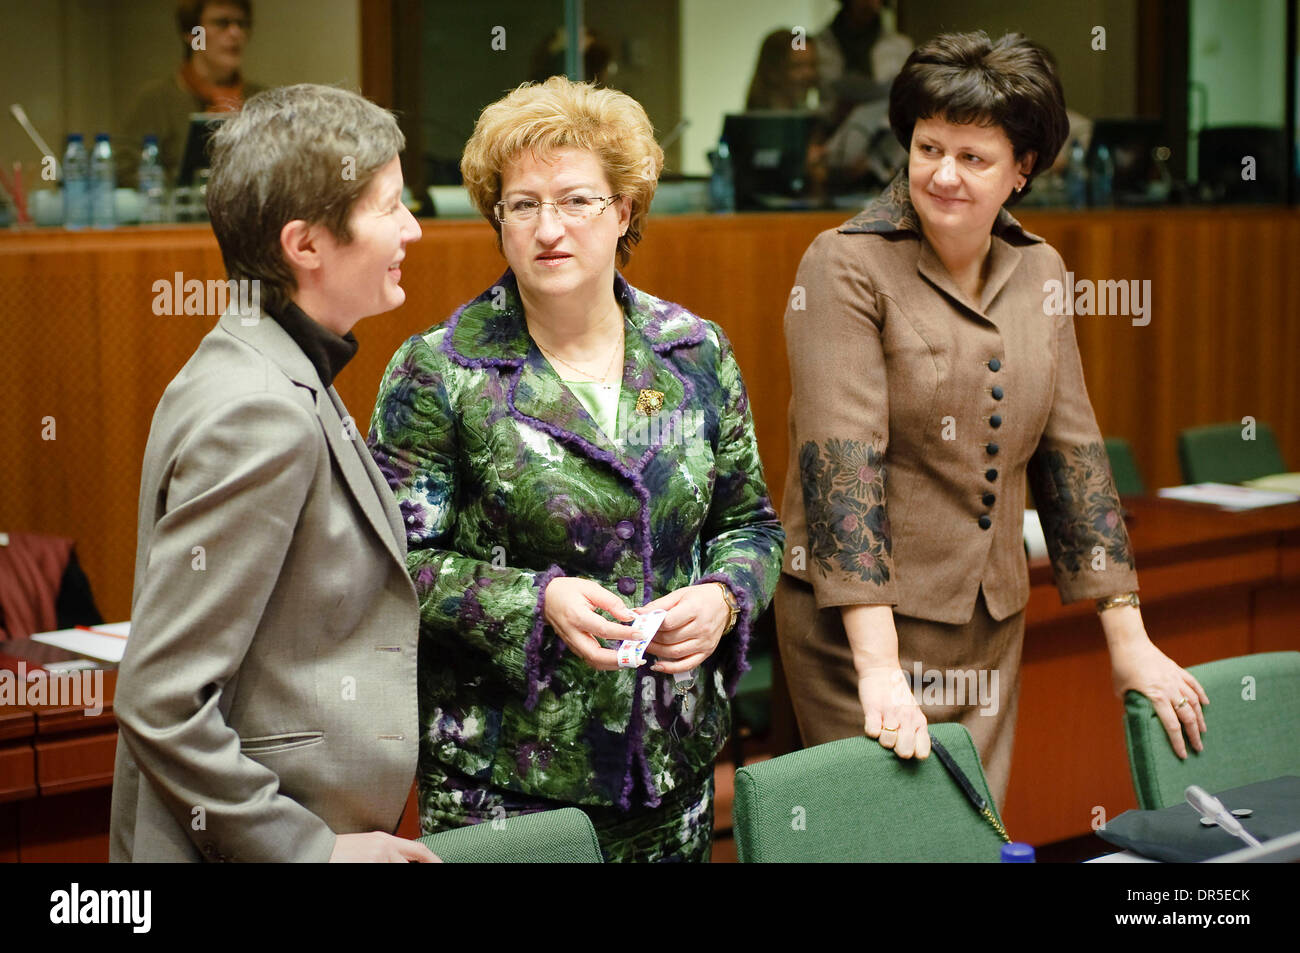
[
  {"x": 564, "y": 448},
  {"x": 924, "y": 353},
  {"x": 267, "y": 697},
  {"x": 786, "y": 72},
  {"x": 213, "y": 35}
]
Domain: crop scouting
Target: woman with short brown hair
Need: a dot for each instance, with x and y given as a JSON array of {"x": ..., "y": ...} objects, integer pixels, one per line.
[{"x": 924, "y": 353}]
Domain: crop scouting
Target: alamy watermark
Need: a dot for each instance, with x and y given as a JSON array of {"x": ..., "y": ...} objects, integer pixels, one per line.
[
  {"x": 211, "y": 297},
  {"x": 955, "y": 687},
  {"x": 77, "y": 905},
  {"x": 1087, "y": 297},
  {"x": 660, "y": 429},
  {"x": 83, "y": 689}
]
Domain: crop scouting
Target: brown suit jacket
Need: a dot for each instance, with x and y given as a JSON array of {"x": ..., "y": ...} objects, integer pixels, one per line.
[{"x": 918, "y": 415}]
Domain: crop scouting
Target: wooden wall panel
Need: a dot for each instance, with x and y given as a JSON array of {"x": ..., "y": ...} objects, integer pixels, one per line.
[{"x": 80, "y": 342}]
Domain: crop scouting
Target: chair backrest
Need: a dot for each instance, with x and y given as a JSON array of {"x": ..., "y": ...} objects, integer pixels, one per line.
[
  {"x": 852, "y": 800},
  {"x": 1218, "y": 454},
  {"x": 1128, "y": 481},
  {"x": 1254, "y": 730},
  {"x": 563, "y": 836}
]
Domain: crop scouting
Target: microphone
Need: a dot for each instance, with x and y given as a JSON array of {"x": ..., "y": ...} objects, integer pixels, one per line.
[{"x": 1211, "y": 807}]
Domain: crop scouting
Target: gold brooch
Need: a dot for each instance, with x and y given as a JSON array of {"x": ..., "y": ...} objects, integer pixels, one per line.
[{"x": 649, "y": 402}]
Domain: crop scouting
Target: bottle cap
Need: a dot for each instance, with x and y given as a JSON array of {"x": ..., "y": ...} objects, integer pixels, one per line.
[
  {"x": 74, "y": 137},
  {"x": 1017, "y": 853}
]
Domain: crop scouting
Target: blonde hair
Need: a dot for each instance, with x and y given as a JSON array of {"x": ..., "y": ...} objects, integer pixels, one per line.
[{"x": 542, "y": 118}]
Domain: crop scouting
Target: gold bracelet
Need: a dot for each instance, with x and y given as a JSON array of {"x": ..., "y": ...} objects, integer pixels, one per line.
[
  {"x": 1111, "y": 602},
  {"x": 732, "y": 607}
]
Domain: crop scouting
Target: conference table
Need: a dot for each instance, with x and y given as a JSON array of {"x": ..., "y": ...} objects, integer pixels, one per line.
[{"x": 1214, "y": 584}]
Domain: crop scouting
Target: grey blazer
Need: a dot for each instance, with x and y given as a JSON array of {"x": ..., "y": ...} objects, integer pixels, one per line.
[{"x": 267, "y": 698}]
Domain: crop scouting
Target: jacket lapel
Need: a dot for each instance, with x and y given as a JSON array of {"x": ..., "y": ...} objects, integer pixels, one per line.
[
  {"x": 365, "y": 484},
  {"x": 491, "y": 331},
  {"x": 893, "y": 213}
]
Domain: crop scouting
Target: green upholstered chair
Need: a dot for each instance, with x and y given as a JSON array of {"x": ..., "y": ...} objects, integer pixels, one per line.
[
  {"x": 564, "y": 836},
  {"x": 1254, "y": 730},
  {"x": 1128, "y": 481},
  {"x": 1217, "y": 454},
  {"x": 851, "y": 800}
]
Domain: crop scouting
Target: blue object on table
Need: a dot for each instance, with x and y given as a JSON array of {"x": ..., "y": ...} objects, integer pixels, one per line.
[{"x": 1018, "y": 853}]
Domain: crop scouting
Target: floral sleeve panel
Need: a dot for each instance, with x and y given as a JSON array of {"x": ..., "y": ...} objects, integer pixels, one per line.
[
  {"x": 1080, "y": 511},
  {"x": 844, "y": 498}
]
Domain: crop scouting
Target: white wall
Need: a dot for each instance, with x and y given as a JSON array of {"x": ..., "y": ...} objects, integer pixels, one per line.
[
  {"x": 720, "y": 42},
  {"x": 1237, "y": 51}
]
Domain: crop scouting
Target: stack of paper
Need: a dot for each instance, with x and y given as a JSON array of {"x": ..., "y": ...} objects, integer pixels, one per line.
[
  {"x": 104, "y": 642},
  {"x": 1227, "y": 495}
]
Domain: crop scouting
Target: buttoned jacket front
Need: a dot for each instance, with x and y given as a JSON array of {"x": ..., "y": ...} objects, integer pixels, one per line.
[
  {"x": 505, "y": 482},
  {"x": 918, "y": 415}
]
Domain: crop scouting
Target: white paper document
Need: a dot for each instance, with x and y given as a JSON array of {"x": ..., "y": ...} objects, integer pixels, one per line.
[
  {"x": 1228, "y": 496},
  {"x": 105, "y": 642}
]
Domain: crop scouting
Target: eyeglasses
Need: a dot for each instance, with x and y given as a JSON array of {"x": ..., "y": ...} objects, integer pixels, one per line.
[
  {"x": 574, "y": 208},
  {"x": 220, "y": 24}
]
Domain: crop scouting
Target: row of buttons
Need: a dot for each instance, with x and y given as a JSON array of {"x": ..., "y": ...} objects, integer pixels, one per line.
[
  {"x": 986, "y": 519},
  {"x": 626, "y": 529}
]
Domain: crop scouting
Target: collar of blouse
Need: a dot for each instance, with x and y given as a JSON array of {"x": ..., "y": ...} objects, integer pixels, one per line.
[
  {"x": 490, "y": 331},
  {"x": 892, "y": 213}
]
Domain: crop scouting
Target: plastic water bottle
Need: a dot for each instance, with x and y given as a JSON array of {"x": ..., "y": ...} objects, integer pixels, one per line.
[
  {"x": 722, "y": 184},
  {"x": 1102, "y": 178},
  {"x": 1076, "y": 177},
  {"x": 103, "y": 183},
  {"x": 76, "y": 183},
  {"x": 151, "y": 183}
]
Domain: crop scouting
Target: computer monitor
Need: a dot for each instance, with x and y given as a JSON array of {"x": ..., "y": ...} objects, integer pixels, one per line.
[
  {"x": 197, "y": 142},
  {"x": 1132, "y": 144},
  {"x": 769, "y": 157}
]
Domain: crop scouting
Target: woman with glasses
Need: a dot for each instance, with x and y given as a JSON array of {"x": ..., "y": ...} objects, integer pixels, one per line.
[{"x": 570, "y": 452}]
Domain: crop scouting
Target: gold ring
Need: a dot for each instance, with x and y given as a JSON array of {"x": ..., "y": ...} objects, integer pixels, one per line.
[
  {"x": 1181, "y": 703},
  {"x": 884, "y": 729}
]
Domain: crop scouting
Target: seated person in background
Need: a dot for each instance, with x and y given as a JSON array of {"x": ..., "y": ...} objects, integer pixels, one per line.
[
  {"x": 598, "y": 63},
  {"x": 42, "y": 586},
  {"x": 858, "y": 55},
  {"x": 267, "y": 697},
  {"x": 785, "y": 74},
  {"x": 209, "y": 80}
]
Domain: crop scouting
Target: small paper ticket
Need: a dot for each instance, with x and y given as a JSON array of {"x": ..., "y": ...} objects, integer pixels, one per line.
[{"x": 631, "y": 651}]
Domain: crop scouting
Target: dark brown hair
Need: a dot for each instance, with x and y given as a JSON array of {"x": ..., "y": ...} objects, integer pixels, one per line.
[
  {"x": 967, "y": 78},
  {"x": 190, "y": 12}
]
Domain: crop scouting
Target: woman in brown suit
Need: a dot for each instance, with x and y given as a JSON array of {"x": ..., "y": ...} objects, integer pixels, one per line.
[{"x": 919, "y": 345}]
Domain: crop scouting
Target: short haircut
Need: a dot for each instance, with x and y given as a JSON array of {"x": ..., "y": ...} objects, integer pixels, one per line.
[
  {"x": 294, "y": 152},
  {"x": 967, "y": 78},
  {"x": 190, "y": 12},
  {"x": 541, "y": 118}
]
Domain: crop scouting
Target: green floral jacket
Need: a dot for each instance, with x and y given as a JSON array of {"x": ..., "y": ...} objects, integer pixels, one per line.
[{"x": 505, "y": 482}]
